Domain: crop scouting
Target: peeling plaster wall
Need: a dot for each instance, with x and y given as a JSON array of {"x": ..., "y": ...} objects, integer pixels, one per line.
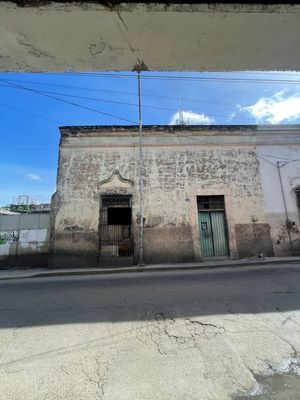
[
  {"x": 24, "y": 240},
  {"x": 281, "y": 146},
  {"x": 176, "y": 170},
  {"x": 90, "y": 36}
]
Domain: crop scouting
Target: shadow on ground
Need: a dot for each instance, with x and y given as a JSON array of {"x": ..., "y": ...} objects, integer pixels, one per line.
[{"x": 131, "y": 297}]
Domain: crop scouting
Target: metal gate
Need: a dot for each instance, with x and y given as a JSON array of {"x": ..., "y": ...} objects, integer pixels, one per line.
[
  {"x": 115, "y": 226},
  {"x": 212, "y": 224}
]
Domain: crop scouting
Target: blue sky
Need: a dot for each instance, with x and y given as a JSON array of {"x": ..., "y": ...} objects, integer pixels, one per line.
[{"x": 30, "y": 121}]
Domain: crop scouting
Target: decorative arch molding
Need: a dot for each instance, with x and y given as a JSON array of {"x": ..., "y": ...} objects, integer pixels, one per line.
[{"x": 115, "y": 181}]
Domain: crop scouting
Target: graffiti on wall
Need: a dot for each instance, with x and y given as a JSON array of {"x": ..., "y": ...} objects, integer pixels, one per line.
[
  {"x": 24, "y": 234},
  {"x": 8, "y": 237}
]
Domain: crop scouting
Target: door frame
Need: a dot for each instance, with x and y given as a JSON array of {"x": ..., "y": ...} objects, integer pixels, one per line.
[
  {"x": 213, "y": 242},
  {"x": 101, "y": 210},
  {"x": 194, "y": 192},
  {"x": 116, "y": 184}
]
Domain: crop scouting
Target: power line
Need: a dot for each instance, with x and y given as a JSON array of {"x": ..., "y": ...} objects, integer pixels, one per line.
[
  {"x": 282, "y": 158},
  {"x": 178, "y": 77},
  {"x": 268, "y": 161},
  {"x": 69, "y": 102},
  {"x": 126, "y": 93},
  {"x": 227, "y": 80},
  {"x": 123, "y": 103},
  {"x": 115, "y": 92},
  {"x": 270, "y": 72},
  {"x": 30, "y": 113},
  {"x": 98, "y": 99}
]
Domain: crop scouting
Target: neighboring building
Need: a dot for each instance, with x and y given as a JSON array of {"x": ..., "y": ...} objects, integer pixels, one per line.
[
  {"x": 40, "y": 208},
  {"x": 202, "y": 192},
  {"x": 278, "y": 152},
  {"x": 24, "y": 239},
  {"x": 29, "y": 208},
  {"x": 3, "y": 211}
]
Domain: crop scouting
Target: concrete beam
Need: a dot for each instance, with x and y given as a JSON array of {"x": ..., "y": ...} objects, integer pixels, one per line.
[{"x": 191, "y": 37}]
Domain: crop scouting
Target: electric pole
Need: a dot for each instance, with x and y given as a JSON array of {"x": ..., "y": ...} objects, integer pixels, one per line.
[{"x": 141, "y": 173}]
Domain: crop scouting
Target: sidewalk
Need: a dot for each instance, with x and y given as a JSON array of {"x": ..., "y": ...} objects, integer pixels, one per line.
[{"x": 15, "y": 273}]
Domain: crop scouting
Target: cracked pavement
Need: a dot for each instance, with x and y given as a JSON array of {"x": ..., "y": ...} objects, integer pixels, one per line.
[{"x": 197, "y": 335}]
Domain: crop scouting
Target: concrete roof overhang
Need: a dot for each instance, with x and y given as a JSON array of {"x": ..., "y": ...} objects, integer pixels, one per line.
[{"x": 98, "y": 36}]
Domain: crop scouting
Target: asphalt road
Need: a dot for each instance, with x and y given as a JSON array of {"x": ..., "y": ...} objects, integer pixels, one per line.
[{"x": 163, "y": 335}]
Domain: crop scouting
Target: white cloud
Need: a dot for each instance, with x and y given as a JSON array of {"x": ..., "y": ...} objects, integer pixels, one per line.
[
  {"x": 34, "y": 177},
  {"x": 275, "y": 109},
  {"x": 191, "y": 118},
  {"x": 232, "y": 115}
]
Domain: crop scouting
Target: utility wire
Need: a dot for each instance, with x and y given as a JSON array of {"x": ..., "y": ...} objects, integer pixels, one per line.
[
  {"x": 282, "y": 158},
  {"x": 121, "y": 92},
  {"x": 268, "y": 161},
  {"x": 97, "y": 99},
  {"x": 69, "y": 102},
  {"x": 122, "y": 103},
  {"x": 180, "y": 78},
  {"x": 225, "y": 80},
  {"x": 178, "y": 135},
  {"x": 30, "y": 113},
  {"x": 275, "y": 164}
]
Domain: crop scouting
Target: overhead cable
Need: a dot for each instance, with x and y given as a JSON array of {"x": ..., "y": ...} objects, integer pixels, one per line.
[{"x": 69, "y": 102}]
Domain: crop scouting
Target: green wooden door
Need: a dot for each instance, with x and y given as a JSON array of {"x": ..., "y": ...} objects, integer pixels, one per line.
[
  {"x": 213, "y": 237},
  {"x": 206, "y": 234}
]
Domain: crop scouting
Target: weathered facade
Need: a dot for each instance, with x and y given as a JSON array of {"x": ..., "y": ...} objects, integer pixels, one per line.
[
  {"x": 278, "y": 152},
  {"x": 202, "y": 192}
]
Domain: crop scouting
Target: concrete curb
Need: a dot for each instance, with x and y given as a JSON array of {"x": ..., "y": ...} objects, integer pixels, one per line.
[{"x": 152, "y": 268}]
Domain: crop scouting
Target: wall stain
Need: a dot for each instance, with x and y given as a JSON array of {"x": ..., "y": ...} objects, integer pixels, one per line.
[{"x": 96, "y": 49}]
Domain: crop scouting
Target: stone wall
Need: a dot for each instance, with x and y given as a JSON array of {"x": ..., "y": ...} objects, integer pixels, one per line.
[
  {"x": 176, "y": 170},
  {"x": 24, "y": 240}
]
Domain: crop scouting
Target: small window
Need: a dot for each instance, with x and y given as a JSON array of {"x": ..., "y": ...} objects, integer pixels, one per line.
[{"x": 210, "y": 203}]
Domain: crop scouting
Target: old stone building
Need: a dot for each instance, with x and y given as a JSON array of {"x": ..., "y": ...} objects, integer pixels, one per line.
[{"x": 203, "y": 196}]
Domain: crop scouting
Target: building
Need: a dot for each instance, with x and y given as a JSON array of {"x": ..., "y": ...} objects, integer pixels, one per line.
[
  {"x": 207, "y": 193},
  {"x": 24, "y": 239},
  {"x": 3, "y": 211},
  {"x": 25, "y": 204},
  {"x": 278, "y": 152}
]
